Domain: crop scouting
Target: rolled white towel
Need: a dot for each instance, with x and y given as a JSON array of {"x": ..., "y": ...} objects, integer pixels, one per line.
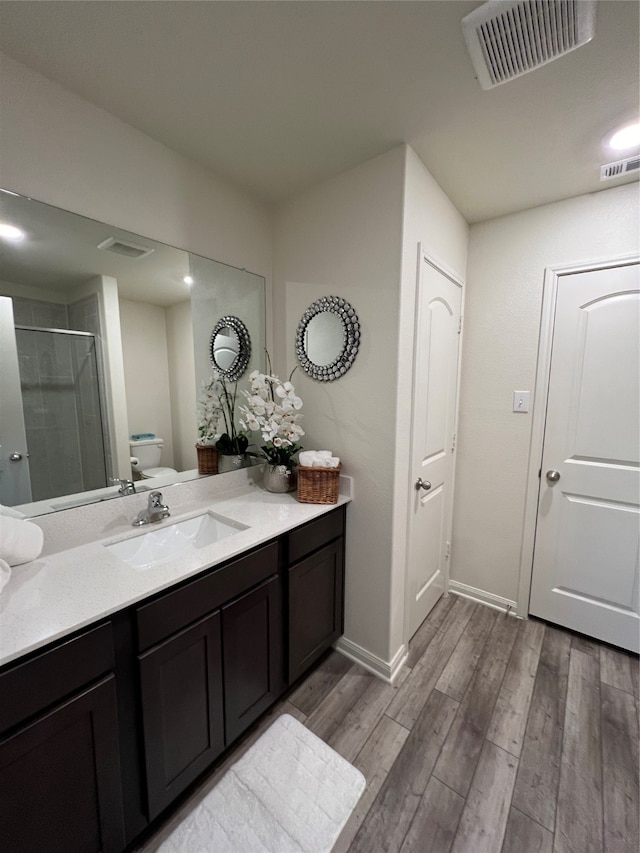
[
  {"x": 306, "y": 458},
  {"x": 20, "y": 541},
  {"x": 328, "y": 462},
  {"x": 5, "y": 574},
  {"x": 315, "y": 458}
]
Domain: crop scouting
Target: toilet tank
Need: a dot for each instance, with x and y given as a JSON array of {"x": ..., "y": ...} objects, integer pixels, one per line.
[{"x": 148, "y": 451}]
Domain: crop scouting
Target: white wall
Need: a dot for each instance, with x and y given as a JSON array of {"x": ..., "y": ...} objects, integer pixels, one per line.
[
  {"x": 60, "y": 149},
  {"x": 105, "y": 288},
  {"x": 507, "y": 259},
  {"x": 430, "y": 219},
  {"x": 344, "y": 238},
  {"x": 182, "y": 386},
  {"x": 220, "y": 290},
  {"x": 146, "y": 372},
  {"x": 357, "y": 236}
]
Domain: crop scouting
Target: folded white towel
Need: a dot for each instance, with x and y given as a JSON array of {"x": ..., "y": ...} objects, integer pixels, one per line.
[
  {"x": 324, "y": 454},
  {"x": 11, "y": 512},
  {"x": 5, "y": 573},
  {"x": 333, "y": 462},
  {"x": 20, "y": 541}
]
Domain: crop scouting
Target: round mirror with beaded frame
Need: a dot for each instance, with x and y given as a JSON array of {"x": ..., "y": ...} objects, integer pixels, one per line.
[
  {"x": 332, "y": 368},
  {"x": 238, "y": 366}
]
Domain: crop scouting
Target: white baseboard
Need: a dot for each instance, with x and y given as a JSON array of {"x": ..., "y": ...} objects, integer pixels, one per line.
[
  {"x": 386, "y": 670},
  {"x": 496, "y": 601}
]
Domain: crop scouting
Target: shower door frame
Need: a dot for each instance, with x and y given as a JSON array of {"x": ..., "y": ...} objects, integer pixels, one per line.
[{"x": 106, "y": 441}]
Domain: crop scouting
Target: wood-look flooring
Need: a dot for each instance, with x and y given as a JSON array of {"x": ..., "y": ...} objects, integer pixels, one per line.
[{"x": 500, "y": 735}]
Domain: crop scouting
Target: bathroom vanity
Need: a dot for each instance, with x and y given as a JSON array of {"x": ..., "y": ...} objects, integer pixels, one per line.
[{"x": 102, "y": 728}]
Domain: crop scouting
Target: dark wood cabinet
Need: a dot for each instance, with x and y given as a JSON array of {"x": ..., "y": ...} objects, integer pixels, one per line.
[
  {"x": 182, "y": 713},
  {"x": 60, "y": 786},
  {"x": 315, "y": 606},
  {"x": 100, "y": 732},
  {"x": 253, "y": 655},
  {"x": 207, "y": 677}
]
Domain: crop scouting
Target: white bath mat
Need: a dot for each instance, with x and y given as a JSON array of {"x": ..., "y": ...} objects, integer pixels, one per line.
[{"x": 289, "y": 793}]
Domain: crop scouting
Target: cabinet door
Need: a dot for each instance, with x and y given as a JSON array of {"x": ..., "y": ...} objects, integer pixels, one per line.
[
  {"x": 60, "y": 779},
  {"x": 181, "y": 684},
  {"x": 253, "y": 655},
  {"x": 315, "y": 606}
]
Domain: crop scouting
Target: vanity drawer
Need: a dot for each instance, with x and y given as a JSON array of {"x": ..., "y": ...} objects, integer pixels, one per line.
[
  {"x": 173, "y": 611},
  {"x": 32, "y": 686},
  {"x": 315, "y": 534}
]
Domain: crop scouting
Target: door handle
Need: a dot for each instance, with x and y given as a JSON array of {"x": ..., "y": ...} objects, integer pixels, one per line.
[
  {"x": 15, "y": 457},
  {"x": 552, "y": 475},
  {"x": 422, "y": 484}
]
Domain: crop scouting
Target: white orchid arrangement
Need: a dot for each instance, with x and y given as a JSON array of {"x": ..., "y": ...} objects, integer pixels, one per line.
[
  {"x": 273, "y": 409},
  {"x": 208, "y": 413},
  {"x": 218, "y": 401}
]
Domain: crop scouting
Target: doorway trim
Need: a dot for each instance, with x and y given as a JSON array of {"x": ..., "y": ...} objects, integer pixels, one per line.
[
  {"x": 424, "y": 255},
  {"x": 552, "y": 275}
]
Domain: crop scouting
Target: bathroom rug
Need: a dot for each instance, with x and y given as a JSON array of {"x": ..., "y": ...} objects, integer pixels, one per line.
[{"x": 289, "y": 793}]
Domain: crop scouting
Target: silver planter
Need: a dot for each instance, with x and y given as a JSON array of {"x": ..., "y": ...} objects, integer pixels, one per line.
[
  {"x": 232, "y": 463},
  {"x": 280, "y": 478}
]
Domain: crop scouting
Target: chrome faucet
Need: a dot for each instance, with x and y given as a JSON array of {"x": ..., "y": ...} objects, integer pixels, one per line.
[
  {"x": 154, "y": 512},
  {"x": 127, "y": 487}
]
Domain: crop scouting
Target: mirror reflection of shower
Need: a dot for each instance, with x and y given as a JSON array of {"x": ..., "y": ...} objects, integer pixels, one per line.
[{"x": 61, "y": 384}]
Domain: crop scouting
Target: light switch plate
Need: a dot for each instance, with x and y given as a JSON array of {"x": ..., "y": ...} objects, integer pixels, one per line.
[{"x": 520, "y": 401}]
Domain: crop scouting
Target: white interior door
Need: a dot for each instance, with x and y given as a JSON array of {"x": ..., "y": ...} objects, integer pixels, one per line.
[
  {"x": 585, "y": 571},
  {"x": 15, "y": 485},
  {"x": 432, "y": 440}
]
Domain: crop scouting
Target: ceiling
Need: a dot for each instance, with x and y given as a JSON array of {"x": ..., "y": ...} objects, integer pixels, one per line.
[
  {"x": 278, "y": 96},
  {"x": 61, "y": 253}
]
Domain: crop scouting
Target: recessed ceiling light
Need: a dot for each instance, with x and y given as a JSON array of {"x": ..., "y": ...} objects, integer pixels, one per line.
[
  {"x": 188, "y": 279},
  {"x": 625, "y": 138},
  {"x": 10, "y": 232}
]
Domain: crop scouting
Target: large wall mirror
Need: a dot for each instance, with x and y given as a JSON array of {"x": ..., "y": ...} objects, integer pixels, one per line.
[{"x": 104, "y": 335}]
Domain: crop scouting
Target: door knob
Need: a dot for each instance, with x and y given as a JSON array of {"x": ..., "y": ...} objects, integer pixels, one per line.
[
  {"x": 15, "y": 457},
  {"x": 422, "y": 484},
  {"x": 553, "y": 476}
]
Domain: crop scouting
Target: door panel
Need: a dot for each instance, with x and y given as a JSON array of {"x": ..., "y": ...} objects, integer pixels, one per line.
[
  {"x": 60, "y": 788},
  {"x": 252, "y": 655},
  {"x": 15, "y": 484},
  {"x": 585, "y": 573},
  {"x": 181, "y": 689},
  {"x": 315, "y": 606},
  {"x": 434, "y": 402}
]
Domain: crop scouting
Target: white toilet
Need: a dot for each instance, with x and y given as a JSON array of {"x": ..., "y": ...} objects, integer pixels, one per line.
[{"x": 145, "y": 458}]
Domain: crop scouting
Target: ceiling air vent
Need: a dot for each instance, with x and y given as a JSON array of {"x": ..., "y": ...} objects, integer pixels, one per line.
[
  {"x": 619, "y": 168},
  {"x": 508, "y": 38},
  {"x": 121, "y": 247}
]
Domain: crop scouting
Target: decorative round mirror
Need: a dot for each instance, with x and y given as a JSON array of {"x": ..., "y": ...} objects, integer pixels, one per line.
[
  {"x": 327, "y": 338},
  {"x": 230, "y": 347}
]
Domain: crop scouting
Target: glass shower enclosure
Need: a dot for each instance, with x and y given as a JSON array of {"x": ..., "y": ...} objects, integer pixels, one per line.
[{"x": 63, "y": 411}]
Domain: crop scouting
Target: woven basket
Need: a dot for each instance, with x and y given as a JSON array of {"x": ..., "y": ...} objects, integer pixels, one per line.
[
  {"x": 318, "y": 485},
  {"x": 207, "y": 459}
]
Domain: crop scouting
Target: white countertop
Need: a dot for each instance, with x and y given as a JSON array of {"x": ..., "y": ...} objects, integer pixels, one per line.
[{"x": 61, "y": 592}]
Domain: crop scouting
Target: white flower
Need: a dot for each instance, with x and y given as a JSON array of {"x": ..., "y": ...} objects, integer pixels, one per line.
[{"x": 272, "y": 408}]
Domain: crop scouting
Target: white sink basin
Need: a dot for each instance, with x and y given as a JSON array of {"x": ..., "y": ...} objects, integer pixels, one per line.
[{"x": 157, "y": 546}]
